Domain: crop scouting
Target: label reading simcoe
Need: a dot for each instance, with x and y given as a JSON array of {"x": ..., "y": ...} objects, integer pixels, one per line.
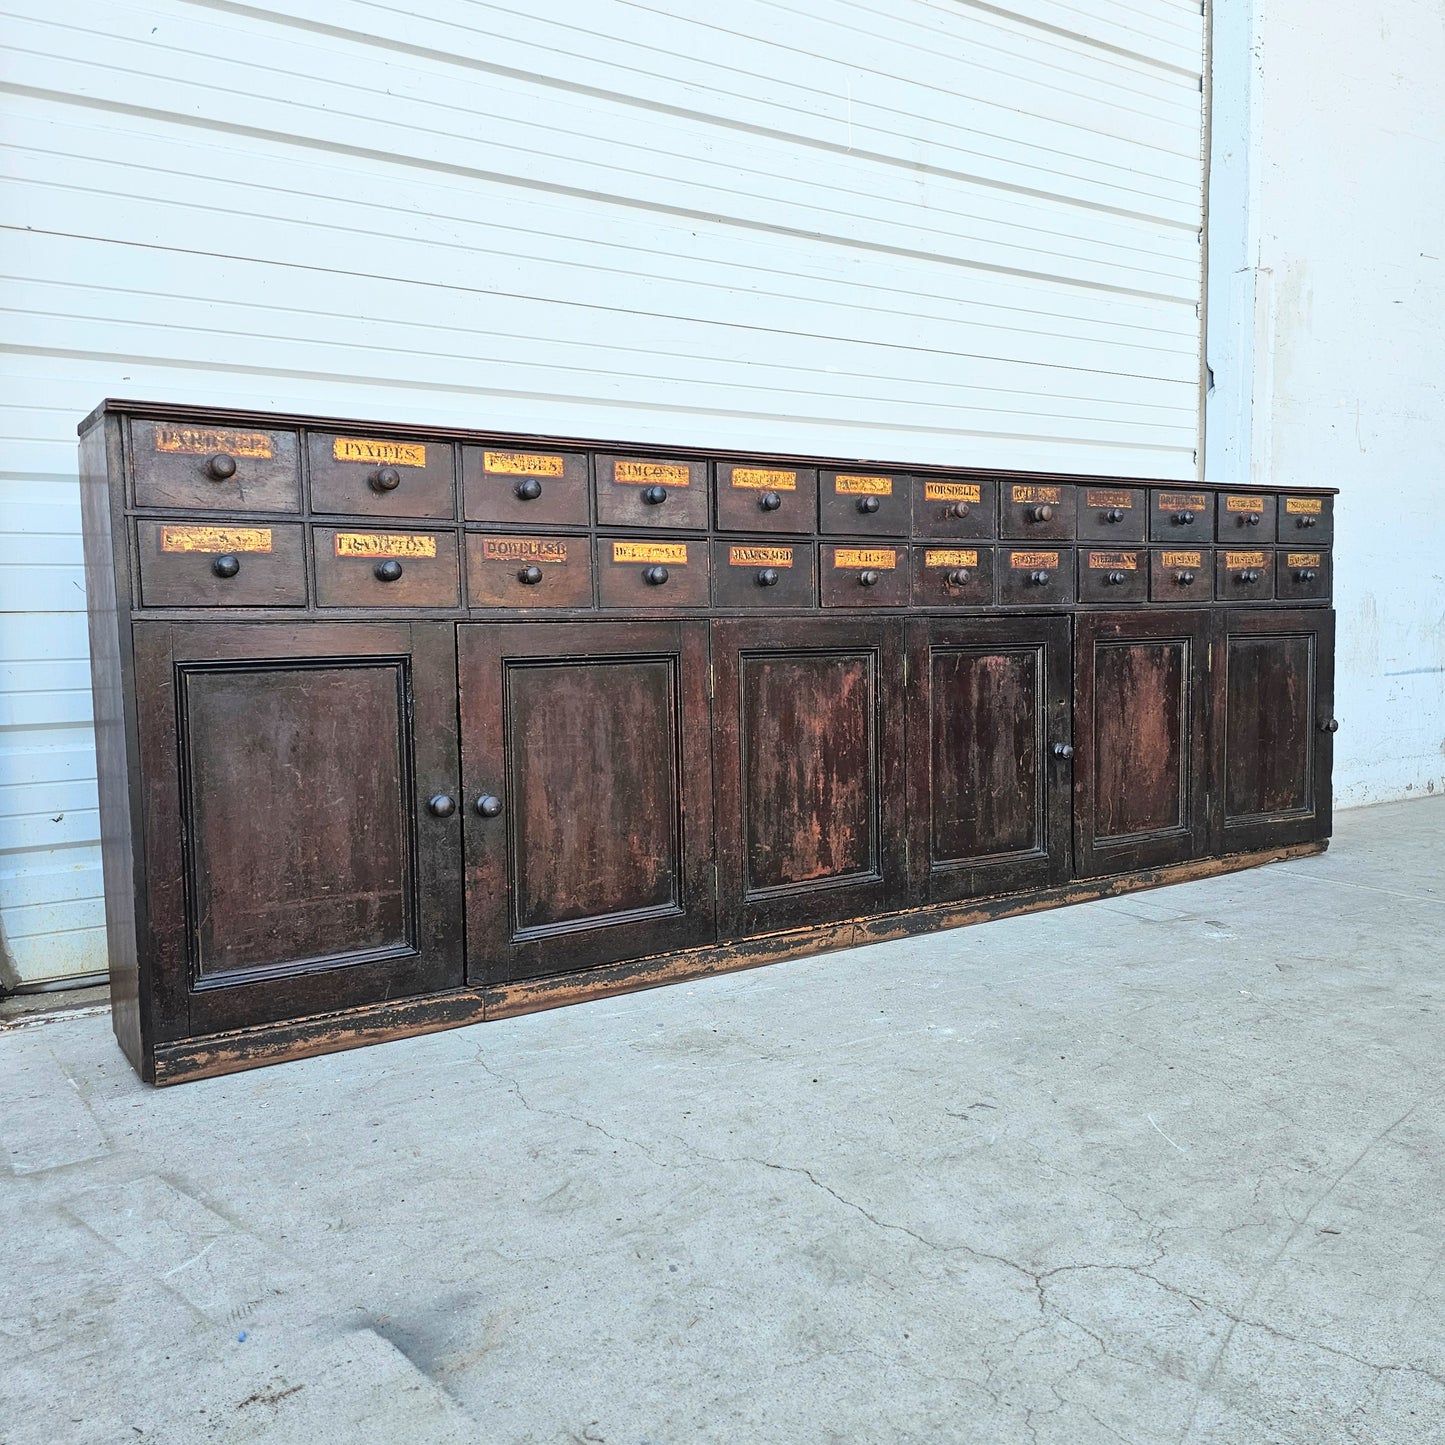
[
  {"x": 384, "y": 544},
  {"x": 950, "y": 557},
  {"x": 759, "y": 479},
  {"x": 1183, "y": 559},
  {"x": 642, "y": 474},
  {"x": 760, "y": 556},
  {"x": 1302, "y": 559},
  {"x": 1304, "y": 506},
  {"x": 675, "y": 552},
  {"x": 1107, "y": 497},
  {"x": 1181, "y": 501},
  {"x": 1244, "y": 559},
  {"x": 1029, "y": 561},
  {"x": 952, "y": 492},
  {"x": 1244, "y": 504},
  {"x": 879, "y": 558},
  {"x": 1113, "y": 561},
  {"x": 1053, "y": 495},
  {"x": 522, "y": 464},
  {"x": 863, "y": 486},
  {"x": 215, "y": 539},
  {"x": 524, "y": 549},
  {"x": 201, "y": 441},
  {"x": 395, "y": 454}
]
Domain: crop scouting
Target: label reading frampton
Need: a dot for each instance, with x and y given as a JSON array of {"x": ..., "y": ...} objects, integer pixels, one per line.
[
  {"x": 760, "y": 556},
  {"x": 1113, "y": 561},
  {"x": 642, "y": 474},
  {"x": 670, "y": 552},
  {"x": 393, "y": 454},
  {"x": 202, "y": 441},
  {"x": 522, "y": 464},
  {"x": 385, "y": 544},
  {"x": 215, "y": 539},
  {"x": 952, "y": 492},
  {"x": 849, "y": 486},
  {"x": 761, "y": 479},
  {"x": 879, "y": 558},
  {"x": 524, "y": 549}
]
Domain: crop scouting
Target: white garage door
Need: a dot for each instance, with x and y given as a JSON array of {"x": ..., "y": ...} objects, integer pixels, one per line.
[{"x": 897, "y": 229}]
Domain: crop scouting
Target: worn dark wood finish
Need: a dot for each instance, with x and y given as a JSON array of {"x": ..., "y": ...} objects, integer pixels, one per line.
[
  {"x": 953, "y": 576},
  {"x": 653, "y": 572},
  {"x": 1244, "y": 574},
  {"x": 1302, "y": 576},
  {"x": 1141, "y": 755},
  {"x": 988, "y": 799},
  {"x": 520, "y": 572},
  {"x": 1181, "y": 516},
  {"x": 1036, "y": 577},
  {"x": 1113, "y": 576},
  {"x": 366, "y": 475},
  {"x": 857, "y": 575},
  {"x": 965, "y": 508},
  {"x": 1037, "y": 512},
  {"x": 1305, "y": 521},
  {"x": 773, "y": 573},
  {"x": 670, "y": 493},
  {"x": 1181, "y": 576},
  {"x": 859, "y": 502},
  {"x": 199, "y": 466},
  {"x": 525, "y": 487},
  {"x": 364, "y": 567},
  {"x": 1245, "y": 519},
  {"x": 766, "y": 497},
  {"x": 186, "y": 565},
  {"x": 1116, "y": 515},
  {"x": 591, "y": 743}
]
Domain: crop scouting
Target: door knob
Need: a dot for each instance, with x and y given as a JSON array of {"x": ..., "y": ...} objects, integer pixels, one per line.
[
  {"x": 1038, "y": 579},
  {"x": 1042, "y": 513},
  {"x": 1183, "y": 519},
  {"x": 529, "y": 576},
  {"x": 1114, "y": 579},
  {"x": 528, "y": 489},
  {"x": 1063, "y": 750},
  {"x": 956, "y": 577},
  {"x": 221, "y": 468},
  {"x": 441, "y": 806},
  {"x": 1304, "y": 576},
  {"x": 1329, "y": 725},
  {"x": 767, "y": 577},
  {"x": 386, "y": 479},
  {"x": 226, "y": 565},
  {"x": 654, "y": 496},
  {"x": 1184, "y": 579},
  {"x": 1249, "y": 519},
  {"x": 654, "y": 576},
  {"x": 770, "y": 501},
  {"x": 488, "y": 806},
  {"x": 956, "y": 510},
  {"x": 1308, "y": 521},
  {"x": 388, "y": 571},
  {"x": 867, "y": 578},
  {"x": 1113, "y": 515},
  {"x": 867, "y": 504}
]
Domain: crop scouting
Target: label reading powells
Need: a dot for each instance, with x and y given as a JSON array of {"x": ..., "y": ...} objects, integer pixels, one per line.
[
  {"x": 215, "y": 539},
  {"x": 384, "y": 544},
  {"x": 1107, "y": 497},
  {"x": 393, "y": 454},
  {"x": 524, "y": 549},
  {"x": 952, "y": 492},
  {"x": 1304, "y": 506},
  {"x": 846, "y": 486},
  {"x": 1244, "y": 504},
  {"x": 1051, "y": 495},
  {"x": 1032, "y": 561},
  {"x": 950, "y": 557},
  {"x": 642, "y": 474},
  {"x": 762, "y": 479},
  {"x": 1244, "y": 559},
  {"x": 522, "y": 464},
  {"x": 760, "y": 556},
  {"x": 670, "y": 552},
  {"x": 1113, "y": 561},
  {"x": 1183, "y": 559},
  {"x": 202, "y": 441},
  {"x": 880, "y": 558}
]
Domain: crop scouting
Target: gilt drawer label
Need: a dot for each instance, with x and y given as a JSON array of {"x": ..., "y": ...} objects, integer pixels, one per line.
[
  {"x": 882, "y": 558},
  {"x": 215, "y": 539},
  {"x": 1108, "y": 497},
  {"x": 1052, "y": 495},
  {"x": 1244, "y": 504},
  {"x": 202, "y": 441},
  {"x": 1304, "y": 506},
  {"x": 1183, "y": 559},
  {"x": 1244, "y": 559},
  {"x": 1302, "y": 559},
  {"x": 952, "y": 492},
  {"x": 395, "y": 454},
  {"x": 846, "y": 486},
  {"x": 523, "y": 464},
  {"x": 524, "y": 549},
  {"x": 385, "y": 544},
  {"x": 641, "y": 474},
  {"x": 950, "y": 557},
  {"x": 674, "y": 552},
  {"x": 1028, "y": 561},
  {"x": 1181, "y": 501},
  {"x": 760, "y": 556},
  {"x": 759, "y": 479},
  {"x": 1113, "y": 561}
]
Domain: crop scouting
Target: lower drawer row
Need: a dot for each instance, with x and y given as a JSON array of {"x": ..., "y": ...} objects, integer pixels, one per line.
[{"x": 219, "y": 566}]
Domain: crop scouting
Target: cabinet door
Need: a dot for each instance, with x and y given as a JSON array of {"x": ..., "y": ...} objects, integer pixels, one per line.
[
  {"x": 808, "y": 758},
  {"x": 1274, "y": 749},
  {"x": 588, "y": 794},
  {"x": 1141, "y": 750},
  {"x": 303, "y": 846},
  {"x": 988, "y": 800}
]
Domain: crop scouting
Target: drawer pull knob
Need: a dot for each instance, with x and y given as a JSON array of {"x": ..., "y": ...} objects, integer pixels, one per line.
[
  {"x": 654, "y": 576},
  {"x": 528, "y": 489},
  {"x": 654, "y": 496},
  {"x": 1184, "y": 579},
  {"x": 388, "y": 571},
  {"x": 1249, "y": 519},
  {"x": 226, "y": 565},
  {"x": 1305, "y": 576},
  {"x": 488, "y": 806},
  {"x": 221, "y": 468},
  {"x": 1114, "y": 579},
  {"x": 956, "y": 577},
  {"x": 1038, "y": 579},
  {"x": 1063, "y": 750},
  {"x": 441, "y": 806},
  {"x": 1114, "y": 514},
  {"x": 1183, "y": 519},
  {"x": 957, "y": 510},
  {"x": 770, "y": 502},
  {"x": 529, "y": 576},
  {"x": 1248, "y": 576},
  {"x": 1042, "y": 513},
  {"x": 1307, "y": 521},
  {"x": 867, "y": 504},
  {"x": 1329, "y": 725},
  {"x": 386, "y": 479},
  {"x": 867, "y": 578},
  {"x": 767, "y": 577}
]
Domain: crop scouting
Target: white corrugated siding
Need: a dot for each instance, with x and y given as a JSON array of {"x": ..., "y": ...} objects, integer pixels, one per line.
[{"x": 906, "y": 229}]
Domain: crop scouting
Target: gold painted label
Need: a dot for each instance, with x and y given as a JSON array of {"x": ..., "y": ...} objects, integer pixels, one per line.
[
  {"x": 1108, "y": 497},
  {"x": 952, "y": 492},
  {"x": 1113, "y": 561},
  {"x": 846, "y": 486},
  {"x": 203, "y": 440},
  {"x": 1302, "y": 559},
  {"x": 523, "y": 464},
  {"x": 385, "y": 544},
  {"x": 759, "y": 479},
  {"x": 1183, "y": 559},
  {"x": 394, "y": 454},
  {"x": 642, "y": 474},
  {"x": 215, "y": 539},
  {"x": 1244, "y": 559},
  {"x": 675, "y": 552},
  {"x": 1052, "y": 495},
  {"x": 882, "y": 558},
  {"x": 1244, "y": 504},
  {"x": 524, "y": 549},
  {"x": 1181, "y": 501},
  {"x": 1028, "y": 561},
  {"x": 950, "y": 557},
  {"x": 760, "y": 556},
  {"x": 1304, "y": 506}
]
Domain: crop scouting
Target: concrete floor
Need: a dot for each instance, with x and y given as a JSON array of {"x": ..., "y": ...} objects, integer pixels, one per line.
[{"x": 1166, "y": 1168}]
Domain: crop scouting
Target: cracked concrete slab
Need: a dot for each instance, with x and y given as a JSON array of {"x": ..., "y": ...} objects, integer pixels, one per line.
[{"x": 1164, "y": 1168}]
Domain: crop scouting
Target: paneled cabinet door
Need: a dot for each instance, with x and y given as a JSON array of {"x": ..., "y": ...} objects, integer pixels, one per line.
[
  {"x": 588, "y": 794},
  {"x": 1140, "y": 745},
  {"x": 988, "y": 798},
  {"x": 808, "y": 761},
  {"x": 1273, "y": 727},
  {"x": 302, "y": 830}
]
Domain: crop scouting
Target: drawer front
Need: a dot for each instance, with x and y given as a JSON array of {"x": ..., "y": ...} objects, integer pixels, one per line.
[
  {"x": 1030, "y": 511},
  {"x": 646, "y": 572},
  {"x": 1036, "y": 577},
  {"x": 231, "y": 469},
  {"x": 864, "y": 576},
  {"x": 946, "y": 508},
  {"x": 1243, "y": 575},
  {"x": 863, "y": 502},
  {"x": 766, "y": 499},
  {"x": 1113, "y": 514},
  {"x": 1306, "y": 521},
  {"x": 385, "y": 569},
  {"x": 953, "y": 576},
  {"x": 377, "y": 477},
  {"x": 651, "y": 492},
  {"x": 188, "y": 565},
  {"x": 521, "y": 572},
  {"x": 1244, "y": 519},
  {"x": 1114, "y": 576},
  {"x": 764, "y": 574},
  {"x": 1180, "y": 517},
  {"x": 531, "y": 489},
  {"x": 1181, "y": 574},
  {"x": 1301, "y": 576}
]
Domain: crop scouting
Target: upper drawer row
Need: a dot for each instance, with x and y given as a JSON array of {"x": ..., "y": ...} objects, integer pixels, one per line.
[{"x": 226, "y": 469}]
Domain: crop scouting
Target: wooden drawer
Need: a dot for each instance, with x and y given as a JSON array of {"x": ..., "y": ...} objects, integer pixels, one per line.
[
  {"x": 864, "y": 576},
  {"x": 1301, "y": 576},
  {"x": 1036, "y": 577},
  {"x": 647, "y": 572},
  {"x": 651, "y": 492},
  {"x": 1180, "y": 517},
  {"x": 1115, "y": 576},
  {"x": 1181, "y": 574},
  {"x": 766, "y": 499},
  {"x": 1244, "y": 576},
  {"x": 531, "y": 489},
  {"x": 1113, "y": 514},
  {"x": 764, "y": 574},
  {"x": 523, "y": 572},
  {"x": 215, "y": 468},
  {"x": 953, "y": 576},
  {"x": 185, "y": 565},
  {"x": 863, "y": 502},
  {"x": 1038, "y": 512},
  {"x": 377, "y": 477},
  {"x": 1244, "y": 519},
  {"x": 1306, "y": 521},
  {"x": 385, "y": 569},
  {"x": 945, "y": 508}
]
